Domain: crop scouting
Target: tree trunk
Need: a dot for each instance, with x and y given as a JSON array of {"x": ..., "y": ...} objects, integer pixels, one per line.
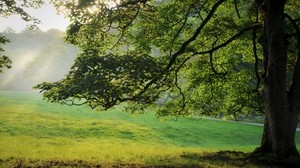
[{"x": 281, "y": 110}]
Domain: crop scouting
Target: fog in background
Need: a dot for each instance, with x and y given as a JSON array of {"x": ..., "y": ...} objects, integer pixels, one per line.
[{"x": 37, "y": 57}]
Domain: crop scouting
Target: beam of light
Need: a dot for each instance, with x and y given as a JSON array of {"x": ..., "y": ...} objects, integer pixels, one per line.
[{"x": 15, "y": 73}]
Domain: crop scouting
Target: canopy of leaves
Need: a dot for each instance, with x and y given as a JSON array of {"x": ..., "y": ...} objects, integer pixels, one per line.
[
  {"x": 104, "y": 80},
  {"x": 188, "y": 57}
]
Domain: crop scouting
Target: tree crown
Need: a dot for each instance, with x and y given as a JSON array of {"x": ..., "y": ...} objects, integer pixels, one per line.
[{"x": 186, "y": 57}]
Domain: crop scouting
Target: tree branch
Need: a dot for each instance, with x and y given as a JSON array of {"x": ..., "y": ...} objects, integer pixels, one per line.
[
  {"x": 131, "y": 3},
  {"x": 180, "y": 29},
  {"x": 182, "y": 48},
  {"x": 123, "y": 29},
  {"x": 213, "y": 49},
  {"x": 255, "y": 26},
  {"x": 183, "y": 102},
  {"x": 195, "y": 35},
  {"x": 212, "y": 63},
  {"x": 237, "y": 9}
]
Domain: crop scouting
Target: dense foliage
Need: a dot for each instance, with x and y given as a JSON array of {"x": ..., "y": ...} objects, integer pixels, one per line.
[{"x": 195, "y": 70}]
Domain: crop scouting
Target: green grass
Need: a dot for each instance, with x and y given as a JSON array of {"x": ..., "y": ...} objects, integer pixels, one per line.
[{"x": 32, "y": 129}]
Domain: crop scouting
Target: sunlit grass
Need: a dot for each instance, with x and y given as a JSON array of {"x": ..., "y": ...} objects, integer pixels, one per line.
[
  {"x": 31, "y": 128},
  {"x": 90, "y": 149}
]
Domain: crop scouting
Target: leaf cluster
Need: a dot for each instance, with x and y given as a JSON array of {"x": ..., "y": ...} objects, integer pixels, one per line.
[
  {"x": 12, "y": 7},
  {"x": 5, "y": 62}
]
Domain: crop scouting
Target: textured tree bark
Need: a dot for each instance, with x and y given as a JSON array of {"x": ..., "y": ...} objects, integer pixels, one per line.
[{"x": 281, "y": 109}]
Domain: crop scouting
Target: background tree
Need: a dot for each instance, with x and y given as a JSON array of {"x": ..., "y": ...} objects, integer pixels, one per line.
[
  {"x": 37, "y": 56},
  {"x": 222, "y": 57},
  {"x": 12, "y": 7}
]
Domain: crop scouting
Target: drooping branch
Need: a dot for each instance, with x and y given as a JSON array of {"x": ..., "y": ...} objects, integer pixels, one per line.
[{"x": 73, "y": 102}]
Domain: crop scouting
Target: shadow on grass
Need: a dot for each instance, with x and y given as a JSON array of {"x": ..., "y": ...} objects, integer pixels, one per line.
[
  {"x": 240, "y": 159},
  {"x": 17, "y": 163},
  {"x": 222, "y": 158},
  {"x": 192, "y": 160}
]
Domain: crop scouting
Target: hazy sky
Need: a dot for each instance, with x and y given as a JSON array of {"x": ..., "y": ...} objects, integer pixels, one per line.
[{"x": 46, "y": 14}]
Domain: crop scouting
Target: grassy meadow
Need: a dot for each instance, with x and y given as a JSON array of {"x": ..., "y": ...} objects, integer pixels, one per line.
[{"x": 34, "y": 132}]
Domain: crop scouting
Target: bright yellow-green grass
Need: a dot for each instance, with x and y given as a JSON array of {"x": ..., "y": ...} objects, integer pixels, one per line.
[{"x": 31, "y": 128}]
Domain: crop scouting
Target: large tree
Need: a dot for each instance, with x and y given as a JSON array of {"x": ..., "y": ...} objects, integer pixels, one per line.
[
  {"x": 220, "y": 57},
  {"x": 13, "y": 7}
]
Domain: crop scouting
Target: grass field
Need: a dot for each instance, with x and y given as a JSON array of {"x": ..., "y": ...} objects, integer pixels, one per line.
[{"x": 34, "y": 132}]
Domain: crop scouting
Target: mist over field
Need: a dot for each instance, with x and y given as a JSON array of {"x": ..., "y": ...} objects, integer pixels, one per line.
[{"x": 37, "y": 57}]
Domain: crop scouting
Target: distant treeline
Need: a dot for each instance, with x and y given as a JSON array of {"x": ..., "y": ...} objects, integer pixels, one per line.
[{"x": 37, "y": 56}]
